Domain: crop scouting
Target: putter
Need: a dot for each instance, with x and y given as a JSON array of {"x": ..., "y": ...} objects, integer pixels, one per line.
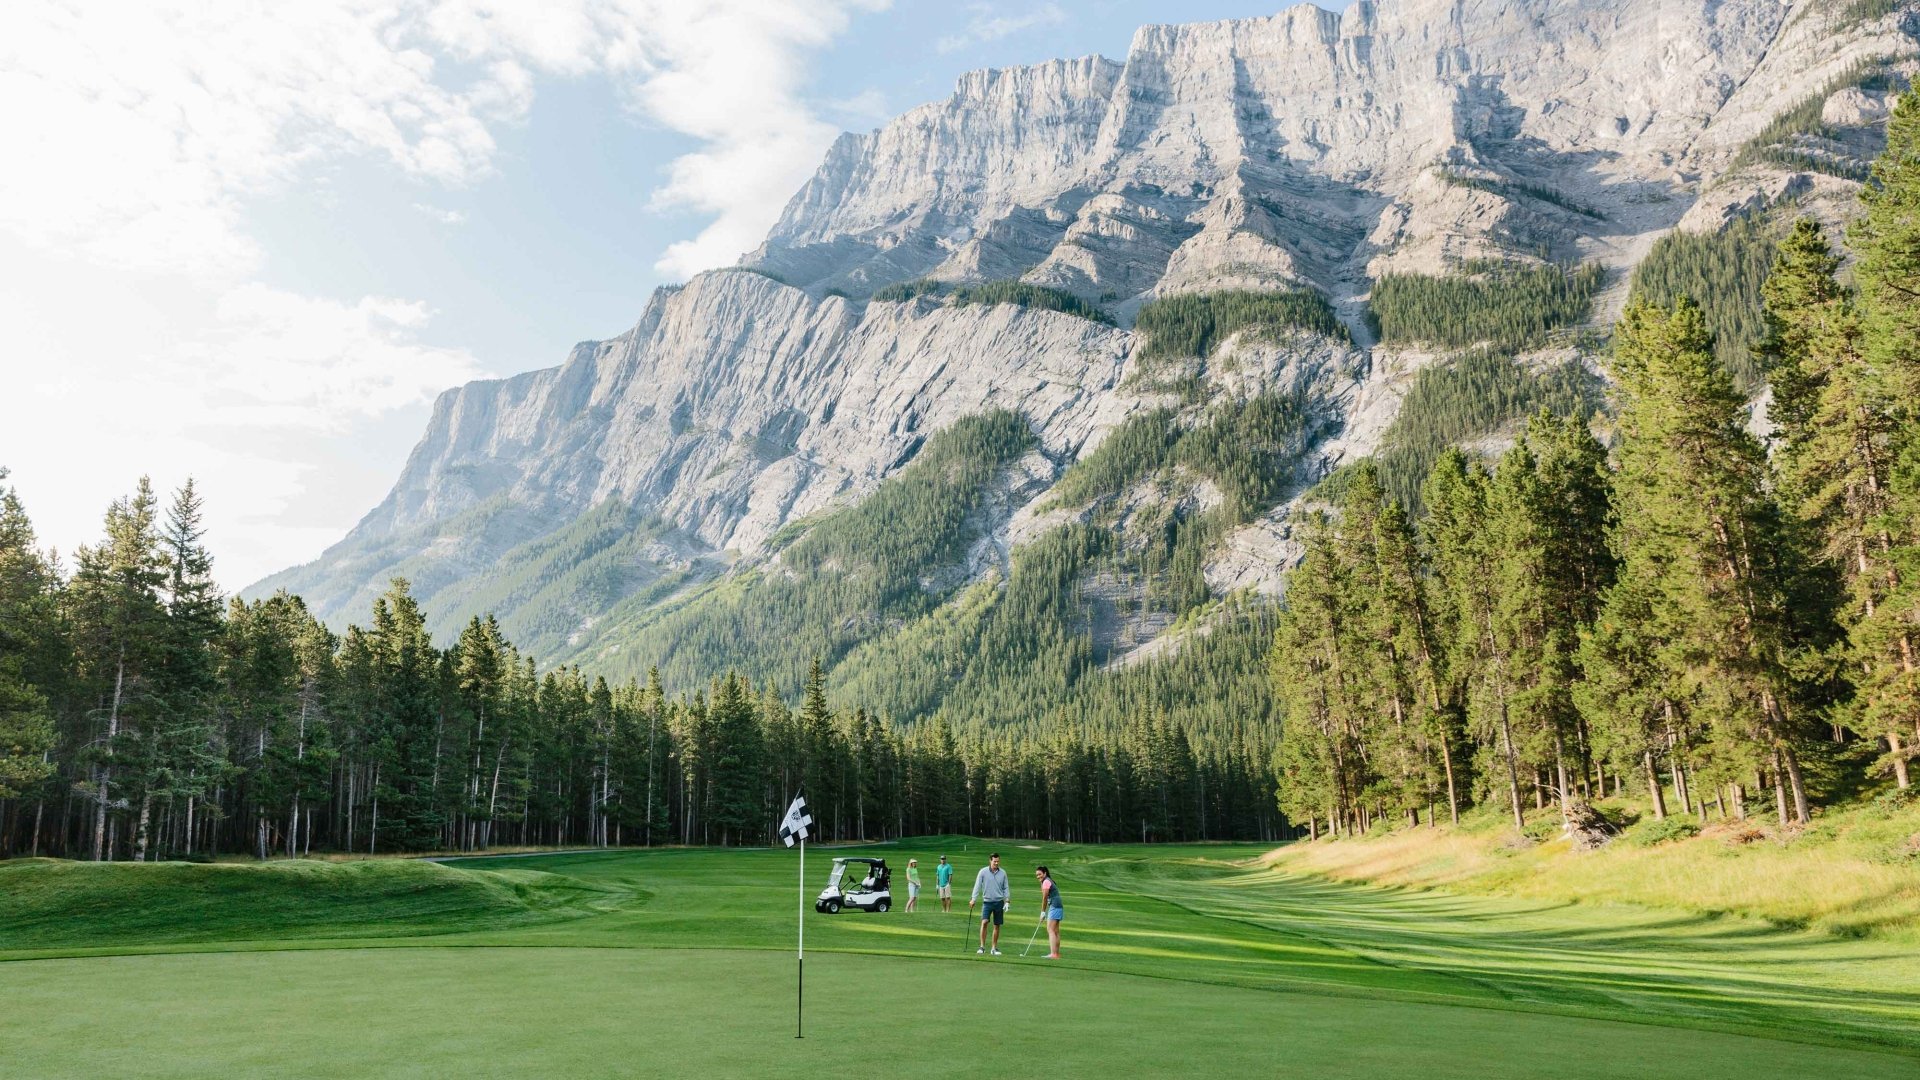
[
  {"x": 1036, "y": 934},
  {"x": 966, "y": 936}
]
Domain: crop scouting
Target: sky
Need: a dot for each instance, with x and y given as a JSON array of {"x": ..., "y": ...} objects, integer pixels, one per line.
[{"x": 250, "y": 242}]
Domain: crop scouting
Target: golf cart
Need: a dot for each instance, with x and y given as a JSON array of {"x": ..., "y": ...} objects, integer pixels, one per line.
[{"x": 856, "y": 883}]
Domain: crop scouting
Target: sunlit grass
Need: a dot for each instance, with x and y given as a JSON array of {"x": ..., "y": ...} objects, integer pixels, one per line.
[
  {"x": 1176, "y": 932},
  {"x": 1854, "y": 873}
]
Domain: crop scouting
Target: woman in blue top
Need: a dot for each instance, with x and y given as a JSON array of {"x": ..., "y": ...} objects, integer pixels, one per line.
[{"x": 1051, "y": 907}]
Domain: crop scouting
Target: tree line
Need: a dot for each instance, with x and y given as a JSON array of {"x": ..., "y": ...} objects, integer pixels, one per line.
[
  {"x": 1694, "y": 614},
  {"x": 141, "y": 718}
]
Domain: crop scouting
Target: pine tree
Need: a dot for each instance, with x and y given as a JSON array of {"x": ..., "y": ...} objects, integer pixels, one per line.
[
  {"x": 1462, "y": 553},
  {"x": 118, "y": 618},
  {"x": 178, "y": 754},
  {"x": 1834, "y": 429},
  {"x": 1575, "y": 500},
  {"x": 1693, "y": 500},
  {"x": 1887, "y": 241},
  {"x": 1319, "y": 757},
  {"x": 28, "y": 632}
]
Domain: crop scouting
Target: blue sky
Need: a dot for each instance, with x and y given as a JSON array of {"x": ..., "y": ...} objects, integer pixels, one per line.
[{"x": 252, "y": 250}]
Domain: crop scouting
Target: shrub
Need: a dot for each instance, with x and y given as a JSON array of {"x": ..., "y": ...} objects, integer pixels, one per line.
[{"x": 1651, "y": 833}]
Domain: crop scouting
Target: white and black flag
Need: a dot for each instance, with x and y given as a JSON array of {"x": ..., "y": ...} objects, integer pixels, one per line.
[{"x": 794, "y": 826}]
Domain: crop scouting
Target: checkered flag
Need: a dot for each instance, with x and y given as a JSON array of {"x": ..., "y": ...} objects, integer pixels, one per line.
[{"x": 794, "y": 825}]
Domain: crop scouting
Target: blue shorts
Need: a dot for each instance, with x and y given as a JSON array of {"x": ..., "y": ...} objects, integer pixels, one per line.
[
  {"x": 1054, "y": 914},
  {"x": 993, "y": 909}
]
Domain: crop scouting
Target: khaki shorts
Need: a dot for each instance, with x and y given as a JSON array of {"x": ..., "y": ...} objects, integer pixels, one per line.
[{"x": 946, "y": 892}]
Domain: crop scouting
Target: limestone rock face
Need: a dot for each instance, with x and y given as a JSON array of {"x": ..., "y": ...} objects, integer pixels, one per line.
[{"x": 1304, "y": 149}]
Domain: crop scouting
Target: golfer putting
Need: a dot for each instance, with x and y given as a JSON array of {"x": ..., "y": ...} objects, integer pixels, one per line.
[{"x": 992, "y": 891}]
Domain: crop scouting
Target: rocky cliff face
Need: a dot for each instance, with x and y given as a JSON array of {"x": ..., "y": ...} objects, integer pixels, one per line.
[{"x": 1304, "y": 150}]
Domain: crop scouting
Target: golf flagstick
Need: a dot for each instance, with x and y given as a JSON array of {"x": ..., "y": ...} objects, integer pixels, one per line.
[
  {"x": 794, "y": 827},
  {"x": 800, "y": 959}
]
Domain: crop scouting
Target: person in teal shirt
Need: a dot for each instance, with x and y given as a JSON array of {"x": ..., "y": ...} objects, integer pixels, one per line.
[{"x": 943, "y": 879}]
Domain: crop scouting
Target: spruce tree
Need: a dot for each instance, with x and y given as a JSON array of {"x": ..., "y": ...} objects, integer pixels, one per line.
[
  {"x": 1887, "y": 241},
  {"x": 1835, "y": 430},
  {"x": 29, "y": 631},
  {"x": 118, "y": 616},
  {"x": 1693, "y": 501},
  {"x": 1463, "y": 554}
]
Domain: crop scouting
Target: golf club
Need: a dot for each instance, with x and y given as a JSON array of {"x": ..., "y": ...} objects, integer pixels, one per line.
[
  {"x": 1036, "y": 934},
  {"x": 966, "y": 930}
]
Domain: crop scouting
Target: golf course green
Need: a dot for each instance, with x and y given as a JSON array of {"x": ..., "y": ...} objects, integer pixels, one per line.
[{"x": 1178, "y": 960}]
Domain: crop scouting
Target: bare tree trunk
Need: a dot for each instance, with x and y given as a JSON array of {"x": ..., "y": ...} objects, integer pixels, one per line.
[
  {"x": 1899, "y": 755},
  {"x": 1797, "y": 784},
  {"x": 1560, "y": 774},
  {"x": 1654, "y": 790},
  {"x": 140, "y": 833},
  {"x": 1513, "y": 769},
  {"x": 493, "y": 798},
  {"x": 1779, "y": 791},
  {"x": 373, "y": 834},
  {"x": 106, "y": 771}
]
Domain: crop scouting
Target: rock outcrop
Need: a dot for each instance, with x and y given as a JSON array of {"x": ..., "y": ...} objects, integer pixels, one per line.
[{"x": 1306, "y": 149}]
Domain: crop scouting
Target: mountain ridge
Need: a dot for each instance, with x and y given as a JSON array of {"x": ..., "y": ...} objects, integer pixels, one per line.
[{"x": 1296, "y": 151}]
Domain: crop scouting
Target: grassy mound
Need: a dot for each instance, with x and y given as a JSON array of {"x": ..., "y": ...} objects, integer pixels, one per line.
[
  {"x": 1855, "y": 872},
  {"x": 50, "y": 904}
]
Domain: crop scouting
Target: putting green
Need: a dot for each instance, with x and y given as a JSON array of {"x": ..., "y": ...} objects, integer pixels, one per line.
[
  {"x": 598, "y": 1012},
  {"x": 1178, "y": 961}
]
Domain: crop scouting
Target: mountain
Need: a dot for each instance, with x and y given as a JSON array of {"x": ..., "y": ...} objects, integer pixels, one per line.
[{"x": 1018, "y": 397}]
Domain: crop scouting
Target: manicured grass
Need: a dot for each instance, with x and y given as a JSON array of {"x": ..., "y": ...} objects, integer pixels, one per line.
[
  {"x": 635, "y": 1013},
  {"x": 1178, "y": 960}
]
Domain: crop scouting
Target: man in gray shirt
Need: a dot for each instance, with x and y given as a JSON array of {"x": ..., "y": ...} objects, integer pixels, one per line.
[{"x": 990, "y": 888}]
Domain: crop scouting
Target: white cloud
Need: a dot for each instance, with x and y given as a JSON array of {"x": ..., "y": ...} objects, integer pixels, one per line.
[
  {"x": 147, "y": 124},
  {"x": 441, "y": 214},
  {"x": 730, "y": 73},
  {"x": 987, "y": 25},
  {"x": 257, "y": 392},
  {"x": 137, "y": 133},
  {"x": 138, "y": 129}
]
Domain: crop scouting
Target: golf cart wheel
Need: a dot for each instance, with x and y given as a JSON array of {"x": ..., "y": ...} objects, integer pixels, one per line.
[
  {"x": 833, "y": 907},
  {"x": 883, "y": 905}
]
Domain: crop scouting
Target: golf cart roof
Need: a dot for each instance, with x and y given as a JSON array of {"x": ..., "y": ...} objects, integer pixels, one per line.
[{"x": 875, "y": 862}]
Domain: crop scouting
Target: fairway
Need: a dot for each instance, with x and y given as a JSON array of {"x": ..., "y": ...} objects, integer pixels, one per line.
[{"x": 1178, "y": 960}]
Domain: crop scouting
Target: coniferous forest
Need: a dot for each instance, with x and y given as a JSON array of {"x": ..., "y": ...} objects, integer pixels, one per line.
[
  {"x": 1708, "y": 621},
  {"x": 141, "y": 719}
]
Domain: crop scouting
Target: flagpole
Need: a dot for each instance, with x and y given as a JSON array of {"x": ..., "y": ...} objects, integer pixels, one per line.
[{"x": 800, "y": 985}]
